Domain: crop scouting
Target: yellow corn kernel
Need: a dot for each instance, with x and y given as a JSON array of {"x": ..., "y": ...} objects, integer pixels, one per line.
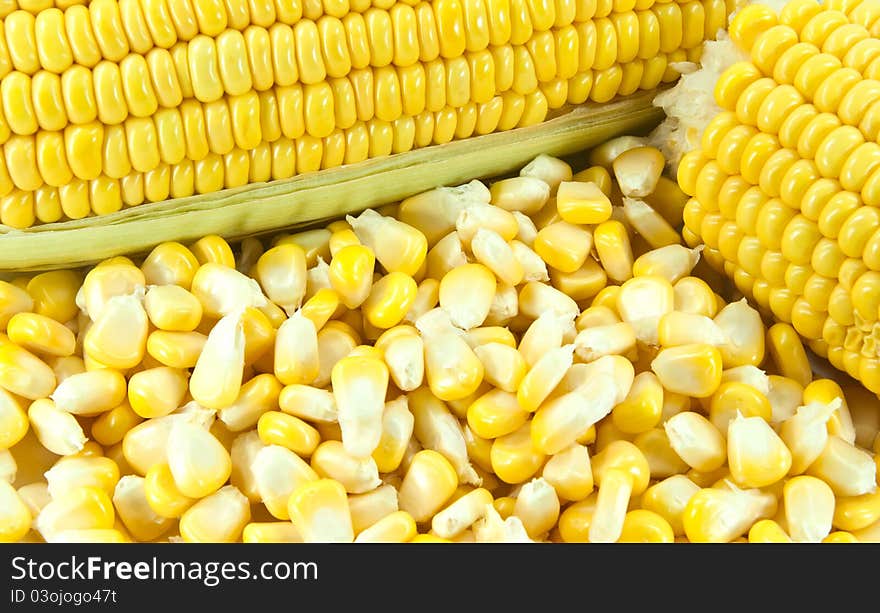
[
  {"x": 24, "y": 374},
  {"x": 745, "y": 331},
  {"x": 827, "y": 391},
  {"x": 157, "y": 391},
  {"x": 138, "y": 517},
  {"x": 53, "y": 295},
  {"x": 514, "y": 459},
  {"x": 13, "y": 420},
  {"x": 720, "y": 515},
  {"x": 544, "y": 334},
  {"x": 281, "y": 272},
  {"x": 389, "y": 300},
  {"x": 257, "y": 396},
  {"x": 582, "y": 203},
  {"x": 15, "y": 514},
  {"x": 321, "y": 306},
  {"x": 175, "y": 349},
  {"x": 198, "y": 462},
  {"x": 41, "y": 334},
  {"x": 81, "y": 508},
  {"x": 320, "y": 510},
  {"x": 296, "y": 351},
  {"x": 788, "y": 353},
  {"x": 672, "y": 262},
  {"x": 397, "y": 527},
  {"x": 218, "y": 518},
  {"x": 351, "y": 274},
  {"x": 678, "y": 328},
  {"x": 563, "y": 246},
  {"x": 614, "y": 250},
  {"x": 849, "y": 470},
  {"x": 696, "y": 441},
  {"x": 90, "y": 393},
  {"x": 275, "y": 472},
  {"x": 495, "y": 413},
  {"x": 466, "y": 294},
  {"x": 856, "y": 512},
  {"x": 642, "y": 302},
  {"x": 428, "y": 483},
  {"x": 398, "y": 247},
  {"x": 637, "y": 170},
  {"x": 57, "y": 430},
  {"x": 734, "y": 398},
  {"x": 840, "y": 537},
  {"x": 397, "y": 428},
  {"x": 491, "y": 250},
  {"x": 641, "y": 409},
  {"x": 72, "y": 472},
  {"x": 537, "y": 507},
  {"x": 620, "y": 471},
  {"x": 809, "y": 508},
  {"x": 543, "y": 377},
  {"x": 756, "y": 455},
  {"x": 452, "y": 369},
  {"x": 570, "y": 473},
  {"x": 110, "y": 427},
  {"x": 561, "y": 421},
  {"x": 216, "y": 378},
  {"x": 524, "y": 194},
  {"x": 276, "y": 428},
  {"x": 357, "y": 475},
  {"x": 359, "y": 387},
  {"x": 656, "y": 447},
  {"x": 270, "y": 532},
  {"x": 173, "y": 308},
  {"x": 768, "y": 531},
  {"x": 693, "y": 370},
  {"x": 669, "y": 498},
  {"x": 806, "y": 434},
  {"x": 643, "y": 526}
]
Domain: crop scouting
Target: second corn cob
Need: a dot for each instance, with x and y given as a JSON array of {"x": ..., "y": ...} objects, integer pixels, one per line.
[{"x": 784, "y": 179}]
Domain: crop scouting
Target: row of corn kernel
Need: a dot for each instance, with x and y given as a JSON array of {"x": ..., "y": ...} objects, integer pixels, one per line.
[
  {"x": 237, "y": 62},
  {"x": 285, "y": 157},
  {"x": 786, "y": 180},
  {"x": 56, "y": 39},
  {"x": 490, "y": 363}
]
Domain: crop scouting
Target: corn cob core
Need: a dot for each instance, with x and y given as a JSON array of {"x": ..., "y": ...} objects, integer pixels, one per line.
[
  {"x": 115, "y": 104},
  {"x": 520, "y": 361},
  {"x": 784, "y": 184}
]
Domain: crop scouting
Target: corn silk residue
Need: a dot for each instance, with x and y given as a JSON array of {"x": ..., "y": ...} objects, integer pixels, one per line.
[{"x": 690, "y": 104}]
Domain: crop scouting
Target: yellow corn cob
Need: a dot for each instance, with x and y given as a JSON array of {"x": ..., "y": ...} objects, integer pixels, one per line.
[{"x": 783, "y": 183}]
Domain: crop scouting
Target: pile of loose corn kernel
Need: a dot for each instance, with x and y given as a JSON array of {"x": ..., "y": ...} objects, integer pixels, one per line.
[{"x": 533, "y": 360}]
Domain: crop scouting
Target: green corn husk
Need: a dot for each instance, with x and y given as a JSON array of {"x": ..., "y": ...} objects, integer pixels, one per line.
[{"x": 303, "y": 200}]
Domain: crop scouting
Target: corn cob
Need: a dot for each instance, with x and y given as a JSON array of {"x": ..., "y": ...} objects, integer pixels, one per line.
[
  {"x": 783, "y": 182},
  {"x": 114, "y": 104},
  {"x": 520, "y": 361}
]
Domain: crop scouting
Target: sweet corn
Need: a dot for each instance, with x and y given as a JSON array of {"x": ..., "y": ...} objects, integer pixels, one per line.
[{"x": 372, "y": 420}]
